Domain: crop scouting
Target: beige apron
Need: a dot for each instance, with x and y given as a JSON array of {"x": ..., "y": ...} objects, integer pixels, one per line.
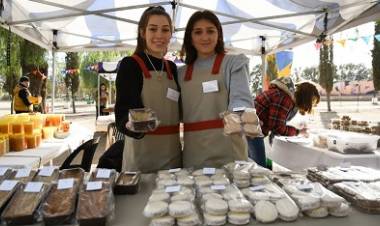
[
  {"x": 162, "y": 150},
  {"x": 205, "y": 145}
]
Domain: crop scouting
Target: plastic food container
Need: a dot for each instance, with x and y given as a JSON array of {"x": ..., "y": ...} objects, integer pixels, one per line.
[
  {"x": 143, "y": 119},
  {"x": 127, "y": 183},
  {"x": 352, "y": 144}
]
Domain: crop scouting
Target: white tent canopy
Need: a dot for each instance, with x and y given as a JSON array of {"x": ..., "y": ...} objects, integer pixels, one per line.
[{"x": 81, "y": 25}]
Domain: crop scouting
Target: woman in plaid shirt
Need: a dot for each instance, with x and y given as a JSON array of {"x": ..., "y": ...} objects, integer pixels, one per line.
[{"x": 277, "y": 105}]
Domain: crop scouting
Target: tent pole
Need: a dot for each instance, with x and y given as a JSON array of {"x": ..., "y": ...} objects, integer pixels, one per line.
[
  {"x": 53, "y": 85},
  {"x": 110, "y": 92},
  {"x": 263, "y": 62},
  {"x": 98, "y": 99}
]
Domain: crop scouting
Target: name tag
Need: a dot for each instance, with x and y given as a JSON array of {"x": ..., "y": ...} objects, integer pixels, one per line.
[
  {"x": 210, "y": 86},
  {"x": 172, "y": 94}
]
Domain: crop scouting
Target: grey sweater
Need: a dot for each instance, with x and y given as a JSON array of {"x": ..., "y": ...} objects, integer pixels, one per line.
[{"x": 235, "y": 71}]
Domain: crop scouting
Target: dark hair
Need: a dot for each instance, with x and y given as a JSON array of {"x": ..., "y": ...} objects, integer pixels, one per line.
[
  {"x": 143, "y": 23},
  {"x": 305, "y": 94},
  {"x": 188, "y": 49},
  {"x": 24, "y": 79}
]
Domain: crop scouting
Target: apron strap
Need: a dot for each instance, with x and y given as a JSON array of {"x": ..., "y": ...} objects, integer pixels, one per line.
[
  {"x": 142, "y": 65},
  {"x": 203, "y": 125},
  {"x": 165, "y": 130},
  {"x": 215, "y": 68},
  {"x": 168, "y": 70}
]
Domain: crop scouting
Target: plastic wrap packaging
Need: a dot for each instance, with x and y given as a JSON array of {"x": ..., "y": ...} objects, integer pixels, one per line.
[
  {"x": 76, "y": 173},
  {"x": 105, "y": 175},
  {"x": 210, "y": 176},
  {"x": 7, "y": 189},
  {"x": 172, "y": 203},
  {"x": 320, "y": 141},
  {"x": 60, "y": 203},
  {"x": 352, "y": 144},
  {"x": 142, "y": 120},
  {"x": 127, "y": 183},
  {"x": 96, "y": 204},
  {"x": 47, "y": 175},
  {"x": 242, "y": 122},
  {"x": 365, "y": 196},
  {"x": 24, "y": 205},
  {"x": 311, "y": 197},
  {"x": 175, "y": 176},
  {"x": 271, "y": 203},
  {"x": 23, "y": 175},
  {"x": 5, "y": 173},
  {"x": 331, "y": 175}
]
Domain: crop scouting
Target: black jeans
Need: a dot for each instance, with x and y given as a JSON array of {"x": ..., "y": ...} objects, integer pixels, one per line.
[{"x": 256, "y": 150}]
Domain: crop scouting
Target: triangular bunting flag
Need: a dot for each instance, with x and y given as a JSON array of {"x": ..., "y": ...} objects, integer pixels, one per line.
[
  {"x": 377, "y": 37},
  {"x": 366, "y": 39},
  {"x": 327, "y": 42},
  {"x": 342, "y": 42},
  {"x": 317, "y": 45},
  {"x": 353, "y": 39}
]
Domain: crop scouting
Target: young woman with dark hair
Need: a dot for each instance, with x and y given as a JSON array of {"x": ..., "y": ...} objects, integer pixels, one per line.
[
  {"x": 211, "y": 82},
  {"x": 145, "y": 79},
  {"x": 278, "y": 105}
]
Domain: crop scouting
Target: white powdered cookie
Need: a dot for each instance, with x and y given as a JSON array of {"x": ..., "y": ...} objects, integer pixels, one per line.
[
  {"x": 159, "y": 196},
  {"x": 205, "y": 190},
  {"x": 307, "y": 202},
  {"x": 216, "y": 206},
  {"x": 191, "y": 220},
  {"x": 198, "y": 172},
  {"x": 240, "y": 205},
  {"x": 182, "y": 197},
  {"x": 230, "y": 195},
  {"x": 210, "y": 219},
  {"x": 241, "y": 175},
  {"x": 317, "y": 213},
  {"x": 203, "y": 183},
  {"x": 166, "y": 182},
  {"x": 181, "y": 209},
  {"x": 185, "y": 180},
  {"x": 265, "y": 211},
  {"x": 232, "y": 124},
  {"x": 208, "y": 196},
  {"x": 155, "y": 209},
  {"x": 162, "y": 221},
  {"x": 342, "y": 211},
  {"x": 242, "y": 183},
  {"x": 239, "y": 218},
  {"x": 250, "y": 116},
  {"x": 287, "y": 209},
  {"x": 259, "y": 181},
  {"x": 221, "y": 181}
]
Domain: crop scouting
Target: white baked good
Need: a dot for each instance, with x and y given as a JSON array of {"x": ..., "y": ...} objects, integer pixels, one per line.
[
  {"x": 241, "y": 175},
  {"x": 189, "y": 220},
  {"x": 162, "y": 221},
  {"x": 155, "y": 209},
  {"x": 287, "y": 209},
  {"x": 240, "y": 205},
  {"x": 182, "y": 197},
  {"x": 181, "y": 209},
  {"x": 210, "y": 219},
  {"x": 221, "y": 181},
  {"x": 205, "y": 190},
  {"x": 230, "y": 195},
  {"x": 185, "y": 180},
  {"x": 342, "y": 211},
  {"x": 317, "y": 213},
  {"x": 159, "y": 196},
  {"x": 242, "y": 183},
  {"x": 208, "y": 196},
  {"x": 265, "y": 211},
  {"x": 166, "y": 182},
  {"x": 216, "y": 206},
  {"x": 307, "y": 202},
  {"x": 232, "y": 124},
  {"x": 203, "y": 183},
  {"x": 259, "y": 180},
  {"x": 250, "y": 116},
  {"x": 239, "y": 218}
]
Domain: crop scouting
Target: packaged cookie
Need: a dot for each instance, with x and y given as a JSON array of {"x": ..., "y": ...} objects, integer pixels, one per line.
[
  {"x": 76, "y": 173},
  {"x": 127, "y": 183}
]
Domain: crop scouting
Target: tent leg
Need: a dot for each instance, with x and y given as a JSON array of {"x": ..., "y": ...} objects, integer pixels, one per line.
[
  {"x": 263, "y": 70},
  {"x": 53, "y": 82},
  {"x": 98, "y": 99}
]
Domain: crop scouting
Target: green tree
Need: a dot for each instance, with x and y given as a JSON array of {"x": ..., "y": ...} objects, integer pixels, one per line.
[
  {"x": 327, "y": 69},
  {"x": 72, "y": 75},
  {"x": 256, "y": 79},
  {"x": 353, "y": 72},
  {"x": 376, "y": 59},
  {"x": 310, "y": 74}
]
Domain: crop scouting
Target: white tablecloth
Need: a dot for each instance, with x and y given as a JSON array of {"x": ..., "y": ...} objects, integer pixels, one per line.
[
  {"x": 103, "y": 121},
  {"x": 48, "y": 150},
  {"x": 295, "y": 156}
]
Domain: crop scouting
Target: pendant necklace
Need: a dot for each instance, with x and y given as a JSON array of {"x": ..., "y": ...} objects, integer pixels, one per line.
[{"x": 159, "y": 74}]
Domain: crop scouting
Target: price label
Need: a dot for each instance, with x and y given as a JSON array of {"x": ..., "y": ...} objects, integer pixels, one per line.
[
  {"x": 103, "y": 173},
  {"x": 65, "y": 183},
  {"x": 237, "y": 109},
  {"x": 46, "y": 171},
  {"x": 175, "y": 188},
  {"x": 218, "y": 187},
  {"x": 3, "y": 170},
  {"x": 257, "y": 188},
  {"x": 208, "y": 171},
  {"x": 8, "y": 185},
  {"x": 23, "y": 172},
  {"x": 94, "y": 185},
  {"x": 33, "y": 187},
  {"x": 175, "y": 170}
]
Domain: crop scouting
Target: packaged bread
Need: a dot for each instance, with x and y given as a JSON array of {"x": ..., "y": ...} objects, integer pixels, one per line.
[
  {"x": 76, "y": 173},
  {"x": 60, "y": 203},
  {"x": 95, "y": 204},
  {"x": 105, "y": 175},
  {"x": 23, "y": 207},
  {"x": 7, "y": 189}
]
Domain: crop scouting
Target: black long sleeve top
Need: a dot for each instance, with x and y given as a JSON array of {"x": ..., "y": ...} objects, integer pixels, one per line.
[
  {"x": 24, "y": 94},
  {"x": 129, "y": 84}
]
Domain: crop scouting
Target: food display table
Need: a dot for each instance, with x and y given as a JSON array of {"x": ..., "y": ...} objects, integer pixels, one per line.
[
  {"x": 129, "y": 208},
  {"x": 298, "y": 156},
  {"x": 48, "y": 150}
]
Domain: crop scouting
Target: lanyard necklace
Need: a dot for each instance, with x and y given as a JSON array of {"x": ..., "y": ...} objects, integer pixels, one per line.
[{"x": 159, "y": 74}]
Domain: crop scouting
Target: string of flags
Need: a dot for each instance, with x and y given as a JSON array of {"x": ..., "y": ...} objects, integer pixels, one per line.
[
  {"x": 343, "y": 41},
  {"x": 70, "y": 71}
]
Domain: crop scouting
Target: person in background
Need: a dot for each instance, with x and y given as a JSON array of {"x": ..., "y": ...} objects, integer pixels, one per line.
[
  {"x": 102, "y": 99},
  {"x": 211, "y": 82},
  {"x": 147, "y": 80},
  {"x": 22, "y": 99},
  {"x": 278, "y": 105}
]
